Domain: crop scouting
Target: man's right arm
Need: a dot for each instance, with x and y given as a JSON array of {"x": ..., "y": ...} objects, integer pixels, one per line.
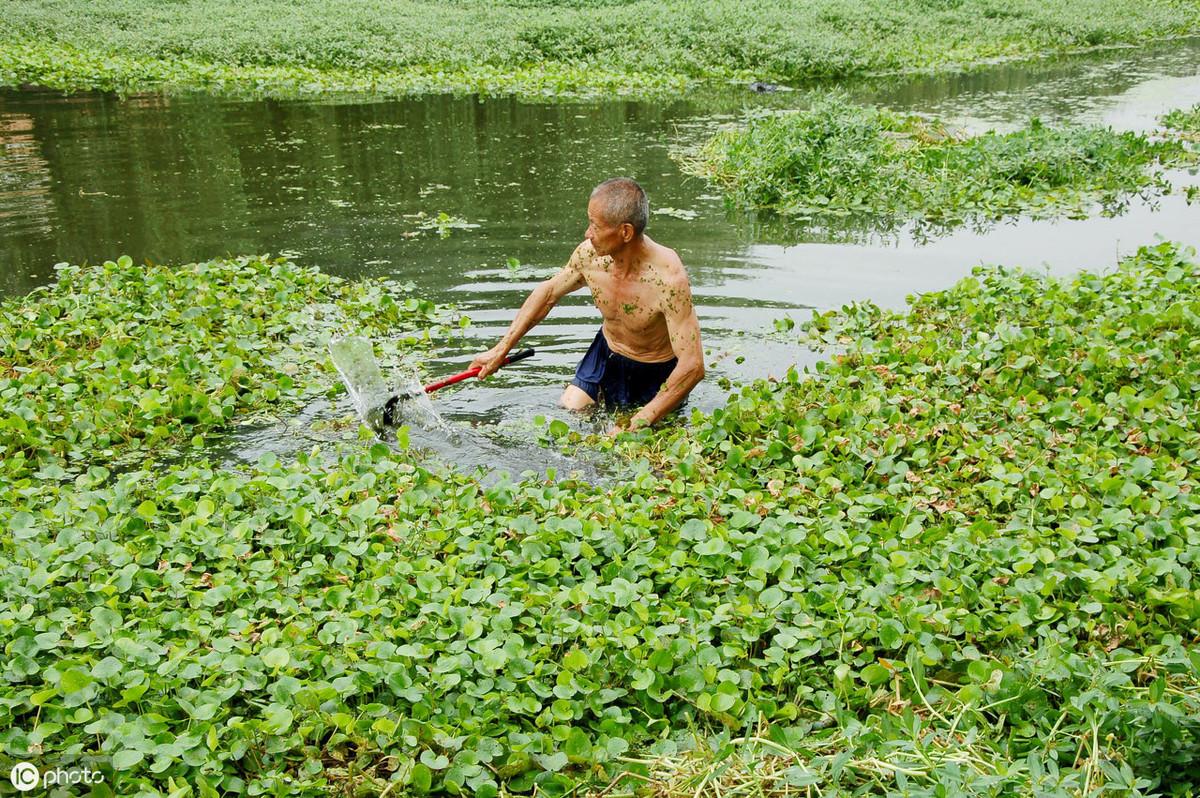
[{"x": 536, "y": 306}]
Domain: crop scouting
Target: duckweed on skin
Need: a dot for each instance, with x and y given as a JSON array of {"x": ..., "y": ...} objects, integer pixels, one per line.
[
  {"x": 837, "y": 158},
  {"x": 963, "y": 552}
]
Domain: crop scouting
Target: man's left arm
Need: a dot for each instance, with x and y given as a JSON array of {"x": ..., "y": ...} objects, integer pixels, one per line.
[{"x": 684, "y": 329}]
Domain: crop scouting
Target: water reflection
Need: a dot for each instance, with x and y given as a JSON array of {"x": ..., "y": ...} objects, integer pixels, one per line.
[
  {"x": 24, "y": 184},
  {"x": 1126, "y": 88}
]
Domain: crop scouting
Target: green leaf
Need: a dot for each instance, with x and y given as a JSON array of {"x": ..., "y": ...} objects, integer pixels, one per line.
[
  {"x": 980, "y": 670},
  {"x": 875, "y": 674},
  {"x": 205, "y": 508},
  {"x": 712, "y": 546},
  {"x": 577, "y": 746},
  {"x": 575, "y": 660},
  {"x": 642, "y": 679},
  {"x": 421, "y": 778},
  {"x": 276, "y": 658},
  {"x": 73, "y": 681},
  {"x": 127, "y": 758},
  {"x": 434, "y": 761},
  {"x": 771, "y": 597},
  {"x": 384, "y": 726},
  {"x": 552, "y": 762},
  {"x": 278, "y": 719},
  {"x": 22, "y": 526},
  {"x": 891, "y": 633},
  {"x": 42, "y": 696}
]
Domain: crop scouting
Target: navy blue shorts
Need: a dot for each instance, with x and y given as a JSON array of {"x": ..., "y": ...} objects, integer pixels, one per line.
[{"x": 618, "y": 380}]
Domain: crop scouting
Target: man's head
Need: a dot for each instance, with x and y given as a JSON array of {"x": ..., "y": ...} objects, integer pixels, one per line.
[{"x": 617, "y": 215}]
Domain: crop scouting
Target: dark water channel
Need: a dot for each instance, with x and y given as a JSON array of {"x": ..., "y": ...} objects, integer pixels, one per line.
[{"x": 338, "y": 184}]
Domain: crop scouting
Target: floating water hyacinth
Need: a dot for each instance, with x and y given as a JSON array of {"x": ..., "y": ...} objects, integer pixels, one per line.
[
  {"x": 837, "y": 158},
  {"x": 678, "y": 213},
  {"x": 93, "y": 387},
  {"x": 540, "y": 49},
  {"x": 963, "y": 549}
]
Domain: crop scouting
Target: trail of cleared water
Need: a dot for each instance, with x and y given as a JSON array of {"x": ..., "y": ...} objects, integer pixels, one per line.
[{"x": 404, "y": 412}]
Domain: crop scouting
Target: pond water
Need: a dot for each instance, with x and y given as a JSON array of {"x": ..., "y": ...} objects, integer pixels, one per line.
[{"x": 340, "y": 184}]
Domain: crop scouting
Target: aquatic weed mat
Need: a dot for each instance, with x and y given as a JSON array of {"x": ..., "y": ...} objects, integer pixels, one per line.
[
  {"x": 961, "y": 553},
  {"x": 1184, "y": 122},
  {"x": 836, "y": 163},
  {"x": 119, "y": 358},
  {"x": 645, "y": 47}
]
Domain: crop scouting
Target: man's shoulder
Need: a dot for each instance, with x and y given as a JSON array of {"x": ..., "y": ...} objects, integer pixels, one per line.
[
  {"x": 670, "y": 266},
  {"x": 674, "y": 289},
  {"x": 583, "y": 256}
]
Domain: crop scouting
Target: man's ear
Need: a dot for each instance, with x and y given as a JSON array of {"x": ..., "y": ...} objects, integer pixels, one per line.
[{"x": 626, "y": 232}]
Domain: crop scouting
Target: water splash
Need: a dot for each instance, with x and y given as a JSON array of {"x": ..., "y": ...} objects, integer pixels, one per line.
[
  {"x": 415, "y": 408},
  {"x": 487, "y": 452},
  {"x": 354, "y": 360}
]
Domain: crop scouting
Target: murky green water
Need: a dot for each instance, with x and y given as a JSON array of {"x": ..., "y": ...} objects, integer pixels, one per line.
[{"x": 339, "y": 185}]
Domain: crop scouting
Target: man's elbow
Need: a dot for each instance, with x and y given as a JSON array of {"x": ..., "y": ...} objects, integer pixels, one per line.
[
  {"x": 542, "y": 299},
  {"x": 554, "y": 290}
]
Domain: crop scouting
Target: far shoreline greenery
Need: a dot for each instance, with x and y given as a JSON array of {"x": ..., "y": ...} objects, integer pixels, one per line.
[
  {"x": 835, "y": 158},
  {"x": 959, "y": 558},
  {"x": 593, "y": 48}
]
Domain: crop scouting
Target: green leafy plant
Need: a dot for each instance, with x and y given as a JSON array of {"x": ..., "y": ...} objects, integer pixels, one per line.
[
  {"x": 836, "y": 158},
  {"x": 538, "y": 49},
  {"x": 443, "y": 223},
  {"x": 960, "y": 555},
  {"x": 121, "y": 357},
  {"x": 1184, "y": 123}
]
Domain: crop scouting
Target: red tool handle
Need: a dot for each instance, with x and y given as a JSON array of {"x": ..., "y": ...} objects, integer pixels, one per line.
[{"x": 433, "y": 386}]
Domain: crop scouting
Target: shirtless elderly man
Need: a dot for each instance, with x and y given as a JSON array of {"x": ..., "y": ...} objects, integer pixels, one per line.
[{"x": 648, "y": 349}]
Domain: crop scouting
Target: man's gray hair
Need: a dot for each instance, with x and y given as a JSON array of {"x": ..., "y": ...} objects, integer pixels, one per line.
[{"x": 623, "y": 201}]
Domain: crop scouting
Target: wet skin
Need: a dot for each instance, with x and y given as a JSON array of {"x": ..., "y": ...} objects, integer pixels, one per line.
[
  {"x": 642, "y": 292},
  {"x": 634, "y": 304}
]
